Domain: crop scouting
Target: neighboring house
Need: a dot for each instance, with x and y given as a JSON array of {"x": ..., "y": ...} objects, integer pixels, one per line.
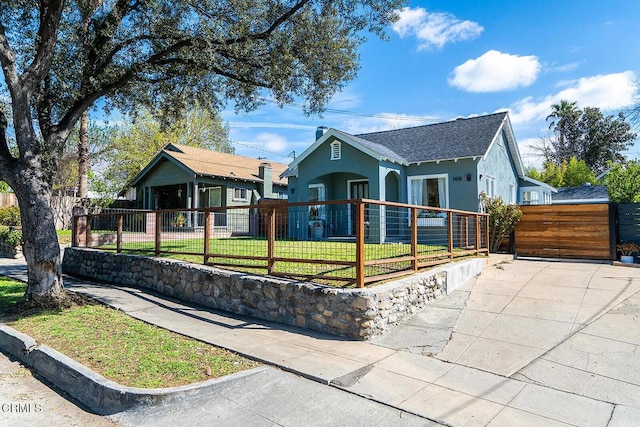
[
  {"x": 583, "y": 194},
  {"x": 443, "y": 165},
  {"x": 186, "y": 177}
]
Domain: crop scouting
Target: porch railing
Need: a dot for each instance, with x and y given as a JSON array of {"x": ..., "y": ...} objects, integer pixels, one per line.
[{"x": 348, "y": 241}]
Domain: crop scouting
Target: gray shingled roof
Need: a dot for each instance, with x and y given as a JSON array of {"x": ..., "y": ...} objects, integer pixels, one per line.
[
  {"x": 441, "y": 141},
  {"x": 584, "y": 192}
]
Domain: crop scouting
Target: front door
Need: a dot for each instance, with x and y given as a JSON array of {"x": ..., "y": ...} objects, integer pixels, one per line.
[{"x": 357, "y": 190}]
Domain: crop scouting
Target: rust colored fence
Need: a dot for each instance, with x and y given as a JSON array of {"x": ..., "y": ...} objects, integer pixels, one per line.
[
  {"x": 564, "y": 231},
  {"x": 348, "y": 241}
]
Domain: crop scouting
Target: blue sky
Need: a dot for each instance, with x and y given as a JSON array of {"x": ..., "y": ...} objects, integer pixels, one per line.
[{"x": 449, "y": 59}]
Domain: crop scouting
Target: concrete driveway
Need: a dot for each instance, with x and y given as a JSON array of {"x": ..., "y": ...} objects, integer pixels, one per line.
[
  {"x": 517, "y": 312},
  {"x": 533, "y": 343}
]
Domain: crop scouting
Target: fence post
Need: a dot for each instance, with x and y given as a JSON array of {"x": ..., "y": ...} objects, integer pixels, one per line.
[
  {"x": 158, "y": 233},
  {"x": 360, "y": 244},
  {"x": 450, "y": 234},
  {"x": 271, "y": 239},
  {"x": 486, "y": 230},
  {"x": 207, "y": 235},
  {"x": 614, "y": 231},
  {"x": 120, "y": 220},
  {"x": 78, "y": 223},
  {"x": 414, "y": 238},
  {"x": 87, "y": 231},
  {"x": 477, "y": 232}
]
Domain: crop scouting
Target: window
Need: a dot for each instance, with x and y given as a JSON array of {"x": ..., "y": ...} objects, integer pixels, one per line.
[
  {"x": 530, "y": 198},
  {"x": 336, "y": 150},
  {"x": 546, "y": 198},
  {"x": 429, "y": 190},
  {"x": 512, "y": 193},
  {"x": 316, "y": 194},
  {"x": 491, "y": 186},
  {"x": 239, "y": 194}
]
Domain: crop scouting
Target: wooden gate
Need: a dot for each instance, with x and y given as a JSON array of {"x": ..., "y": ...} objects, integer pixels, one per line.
[{"x": 564, "y": 231}]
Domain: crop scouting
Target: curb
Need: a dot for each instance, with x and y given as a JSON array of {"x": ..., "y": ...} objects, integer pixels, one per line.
[{"x": 99, "y": 394}]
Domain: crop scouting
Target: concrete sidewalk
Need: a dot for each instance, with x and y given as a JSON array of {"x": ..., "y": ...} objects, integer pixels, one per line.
[{"x": 438, "y": 390}]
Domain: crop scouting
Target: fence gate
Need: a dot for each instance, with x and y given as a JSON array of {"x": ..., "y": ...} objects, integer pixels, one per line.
[{"x": 564, "y": 231}]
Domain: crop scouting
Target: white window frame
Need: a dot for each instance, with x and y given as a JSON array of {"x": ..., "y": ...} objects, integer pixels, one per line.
[
  {"x": 322, "y": 196},
  {"x": 513, "y": 195},
  {"x": 336, "y": 150},
  {"x": 546, "y": 197},
  {"x": 442, "y": 176},
  {"x": 530, "y": 200},
  {"x": 490, "y": 185},
  {"x": 242, "y": 191}
]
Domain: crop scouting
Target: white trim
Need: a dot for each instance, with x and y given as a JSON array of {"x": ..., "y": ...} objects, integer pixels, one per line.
[
  {"x": 578, "y": 201},
  {"x": 434, "y": 176},
  {"x": 319, "y": 185},
  {"x": 336, "y": 150},
  {"x": 349, "y": 182},
  {"x": 343, "y": 137},
  {"x": 239, "y": 199}
]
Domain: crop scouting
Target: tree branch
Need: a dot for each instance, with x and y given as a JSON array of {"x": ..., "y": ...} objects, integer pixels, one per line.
[
  {"x": 7, "y": 161},
  {"x": 50, "y": 15},
  {"x": 265, "y": 34}
]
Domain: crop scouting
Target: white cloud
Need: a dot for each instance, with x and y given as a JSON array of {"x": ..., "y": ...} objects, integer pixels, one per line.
[
  {"x": 495, "y": 71},
  {"x": 273, "y": 125},
  {"x": 530, "y": 153},
  {"x": 345, "y": 99},
  {"x": 383, "y": 122},
  {"x": 605, "y": 91},
  {"x": 270, "y": 142},
  {"x": 563, "y": 68},
  {"x": 434, "y": 29}
]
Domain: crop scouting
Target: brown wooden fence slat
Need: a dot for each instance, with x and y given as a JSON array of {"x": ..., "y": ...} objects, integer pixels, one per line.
[{"x": 564, "y": 231}]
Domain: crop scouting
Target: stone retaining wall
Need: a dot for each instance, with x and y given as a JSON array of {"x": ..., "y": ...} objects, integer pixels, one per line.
[{"x": 353, "y": 313}]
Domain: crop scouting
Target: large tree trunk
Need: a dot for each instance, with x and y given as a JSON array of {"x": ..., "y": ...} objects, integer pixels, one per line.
[
  {"x": 83, "y": 157},
  {"x": 41, "y": 248}
]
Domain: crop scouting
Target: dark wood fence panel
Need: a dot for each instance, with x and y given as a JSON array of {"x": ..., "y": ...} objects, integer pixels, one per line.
[
  {"x": 629, "y": 222},
  {"x": 564, "y": 231}
]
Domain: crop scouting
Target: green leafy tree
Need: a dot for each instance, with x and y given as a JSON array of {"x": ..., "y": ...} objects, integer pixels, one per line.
[
  {"x": 623, "y": 182},
  {"x": 576, "y": 173},
  {"x": 164, "y": 55},
  {"x": 587, "y": 135},
  {"x": 127, "y": 149},
  {"x": 563, "y": 119},
  {"x": 4, "y": 187},
  {"x": 567, "y": 174},
  {"x": 503, "y": 219}
]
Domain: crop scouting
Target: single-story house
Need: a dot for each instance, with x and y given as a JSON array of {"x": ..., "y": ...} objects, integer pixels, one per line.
[
  {"x": 180, "y": 176},
  {"x": 582, "y": 194},
  {"x": 444, "y": 165}
]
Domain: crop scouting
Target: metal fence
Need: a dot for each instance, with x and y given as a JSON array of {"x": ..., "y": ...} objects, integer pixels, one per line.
[{"x": 346, "y": 242}]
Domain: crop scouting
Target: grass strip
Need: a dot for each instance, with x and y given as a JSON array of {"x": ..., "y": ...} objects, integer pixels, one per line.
[{"x": 122, "y": 349}]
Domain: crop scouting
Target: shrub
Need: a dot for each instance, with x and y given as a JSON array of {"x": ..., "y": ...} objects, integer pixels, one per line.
[
  {"x": 12, "y": 238},
  {"x": 503, "y": 219},
  {"x": 10, "y": 216}
]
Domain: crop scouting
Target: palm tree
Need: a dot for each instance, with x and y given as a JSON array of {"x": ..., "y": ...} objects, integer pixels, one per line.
[{"x": 562, "y": 116}]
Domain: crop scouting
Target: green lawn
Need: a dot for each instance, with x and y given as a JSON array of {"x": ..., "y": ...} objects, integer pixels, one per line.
[
  {"x": 125, "y": 350},
  {"x": 312, "y": 251}
]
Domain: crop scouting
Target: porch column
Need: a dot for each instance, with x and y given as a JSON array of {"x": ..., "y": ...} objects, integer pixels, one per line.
[
  {"x": 188, "y": 205},
  {"x": 196, "y": 198}
]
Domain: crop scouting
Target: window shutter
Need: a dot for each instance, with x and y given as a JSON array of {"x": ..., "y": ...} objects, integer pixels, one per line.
[{"x": 336, "y": 150}]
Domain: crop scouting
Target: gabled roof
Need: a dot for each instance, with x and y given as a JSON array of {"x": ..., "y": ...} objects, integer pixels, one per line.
[
  {"x": 203, "y": 162},
  {"x": 583, "y": 194},
  {"x": 457, "y": 139},
  {"x": 453, "y": 140}
]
